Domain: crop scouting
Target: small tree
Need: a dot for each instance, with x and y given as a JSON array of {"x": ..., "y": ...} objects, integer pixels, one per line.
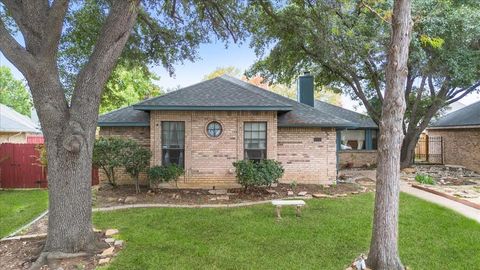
[
  {"x": 165, "y": 174},
  {"x": 107, "y": 155},
  {"x": 136, "y": 159}
]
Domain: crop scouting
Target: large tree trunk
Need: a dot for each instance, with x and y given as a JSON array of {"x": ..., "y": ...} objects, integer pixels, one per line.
[
  {"x": 384, "y": 245},
  {"x": 70, "y": 200},
  {"x": 408, "y": 149}
]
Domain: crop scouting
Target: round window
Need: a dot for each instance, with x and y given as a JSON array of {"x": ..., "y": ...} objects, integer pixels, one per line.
[{"x": 214, "y": 129}]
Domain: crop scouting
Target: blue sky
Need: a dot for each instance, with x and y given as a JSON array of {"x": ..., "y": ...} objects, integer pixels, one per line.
[{"x": 215, "y": 55}]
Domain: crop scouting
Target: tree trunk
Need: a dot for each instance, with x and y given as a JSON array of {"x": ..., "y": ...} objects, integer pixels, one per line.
[
  {"x": 70, "y": 199},
  {"x": 384, "y": 244},
  {"x": 408, "y": 149}
]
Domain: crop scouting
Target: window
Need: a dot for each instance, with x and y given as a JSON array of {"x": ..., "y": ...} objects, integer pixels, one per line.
[
  {"x": 374, "y": 139},
  {"x": 173, "y": 143},
  {"x": 255, "y": 140},
  {"x": 214, "y": 129},
  {"x": 352, "y": 139}
]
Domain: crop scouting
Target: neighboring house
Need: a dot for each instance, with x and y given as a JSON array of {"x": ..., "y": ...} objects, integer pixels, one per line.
[
  {"x": 207, "y": 126},
  {"x": 16, "y": 127},
  {"x": 460, "y": 132},
  {"x": 357, "y": 146}
]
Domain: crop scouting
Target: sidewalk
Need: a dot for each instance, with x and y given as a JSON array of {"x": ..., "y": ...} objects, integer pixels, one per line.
[{"x": 467, "y": 211}]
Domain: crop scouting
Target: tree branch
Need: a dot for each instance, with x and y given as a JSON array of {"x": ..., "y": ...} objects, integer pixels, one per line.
[{"x": 15, "y": 53}]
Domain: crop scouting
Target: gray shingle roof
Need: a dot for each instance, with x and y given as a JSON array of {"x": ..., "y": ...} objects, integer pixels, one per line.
[
  {"x": 214, "y": 94},
  {"x": 226, "y": 93},
  {"x": 12, "y": 121},
  {"x": 126, "y": 116},
  {"x": 361, "y": 120},
  {"x": 468, "y": 116}
]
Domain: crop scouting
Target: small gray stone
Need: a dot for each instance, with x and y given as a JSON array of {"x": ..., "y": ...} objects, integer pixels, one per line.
[
  {"x": 272, "y": 191},
  {"x": 290, "y": 193},
  {"x": 111, "y": 232},
  {"x": 104, "y": 261},
  {"x": 302, "y": 193},
  {"x": 223, "y": 198}
]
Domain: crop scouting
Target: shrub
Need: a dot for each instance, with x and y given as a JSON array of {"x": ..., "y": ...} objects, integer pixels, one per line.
[
  {"x": 255, "y": 174},
  {"x": 136, "y": 159},
  {"x": 165, "y": 174},
  {"x": 107, "y": 155},
  {"x": 424, "y": 179}
]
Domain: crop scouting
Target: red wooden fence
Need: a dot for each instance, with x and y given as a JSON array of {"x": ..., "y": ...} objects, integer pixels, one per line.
[{"x": 19, "y": 167}]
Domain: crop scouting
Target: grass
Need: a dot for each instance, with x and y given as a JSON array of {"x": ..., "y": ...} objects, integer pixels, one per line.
[
  {"x": 331, "y": 233},
  {"x": 18, "y": 207}
]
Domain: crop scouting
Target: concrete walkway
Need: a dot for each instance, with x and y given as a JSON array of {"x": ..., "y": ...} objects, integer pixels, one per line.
[{"x": 465, "y": 210}]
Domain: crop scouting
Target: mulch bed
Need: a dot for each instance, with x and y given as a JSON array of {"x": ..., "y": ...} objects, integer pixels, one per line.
[
  {"x": 21, "y": 254},
  {"x": 107, "y": 196}
]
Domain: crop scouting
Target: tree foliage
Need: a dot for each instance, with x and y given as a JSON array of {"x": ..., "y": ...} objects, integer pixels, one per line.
[
  {"x": 344, "y": 43},
  {"x": 13, "y": 92}
]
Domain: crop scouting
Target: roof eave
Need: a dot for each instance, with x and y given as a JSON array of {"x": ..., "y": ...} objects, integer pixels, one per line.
[
  {"x": 211, "y": 108},
  {"x": 305, "y": 125},
  {"x": 123, "y": 124},
  {"x": 454, "y": 127}
]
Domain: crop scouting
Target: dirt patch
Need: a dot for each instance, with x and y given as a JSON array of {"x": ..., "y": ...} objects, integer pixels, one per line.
[{"x": 126, "y": 194}]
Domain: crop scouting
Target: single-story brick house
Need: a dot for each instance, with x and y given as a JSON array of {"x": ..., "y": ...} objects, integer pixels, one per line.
[
  {"x": 207, "y": 126},
  {"x": 460, "y": 132}
]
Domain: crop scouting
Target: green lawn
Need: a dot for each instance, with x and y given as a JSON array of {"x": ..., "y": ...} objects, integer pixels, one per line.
[
  {"x": 18, "y": 207},
  {"x": 330, "y": 234}
]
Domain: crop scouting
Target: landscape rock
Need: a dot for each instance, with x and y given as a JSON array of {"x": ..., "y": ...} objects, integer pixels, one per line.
[
  {"x": 223, "y": 198},
  {"x": 121, "y": 200},
  {"x": 175, "y": 196},
  {"x": 130, "y": 199},
  {"x": 111, "y": 232},
  {"x": 302, "y": 193},
  {"x": 111, "y": 199},
  {"x": 409, "y": 170},
  {"x": 118, "y": 243},
  {"x": 290, "y": 193},
  {"x": 272, "y": 191},
  {"x": 110, "y": 240},
  {"x": 217, "y": 191},
  {"x": 108, "y": 252},
  {"x": 321, "y": 195},
  {"x": 104, "y": 261}
]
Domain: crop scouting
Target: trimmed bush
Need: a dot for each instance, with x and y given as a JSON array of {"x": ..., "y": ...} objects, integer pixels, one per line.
[
  {"x": 424, "y": 179},
  {"x": 256, "y": 174},
  {"x": 165, "y": 174},
  {"x": 136, "y": 159}
]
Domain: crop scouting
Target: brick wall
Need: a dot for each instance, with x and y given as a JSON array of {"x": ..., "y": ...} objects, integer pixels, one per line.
[
  {"x": 460, "y": 146},
  {"x": 208, "y": 161},
  {"x": 307, "y": 154},
  {"x": 357, "y": 158}
]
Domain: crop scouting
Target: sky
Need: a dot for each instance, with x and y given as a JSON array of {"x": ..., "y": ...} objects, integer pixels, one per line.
[{"x": 214, "y": 55}]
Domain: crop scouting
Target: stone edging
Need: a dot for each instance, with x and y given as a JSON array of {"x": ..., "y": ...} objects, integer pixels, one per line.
[
  {"x": 453, "y": 198},
  {"x": 165, "y": 205},
  {"x": 12, "y": 235}
]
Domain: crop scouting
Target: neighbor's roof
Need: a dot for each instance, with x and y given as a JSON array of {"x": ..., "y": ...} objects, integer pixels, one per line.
[
  {"x": 360, "y": 120},
  {"x": 226, "y": 93},
  {"x": 465, "y": 117},
  {"x": 12, "y": 121}
]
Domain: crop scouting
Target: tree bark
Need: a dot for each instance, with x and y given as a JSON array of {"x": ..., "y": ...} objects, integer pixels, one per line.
[
  {"x": 408, "y": 149},
  {"x": 384, "y": 244}
]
